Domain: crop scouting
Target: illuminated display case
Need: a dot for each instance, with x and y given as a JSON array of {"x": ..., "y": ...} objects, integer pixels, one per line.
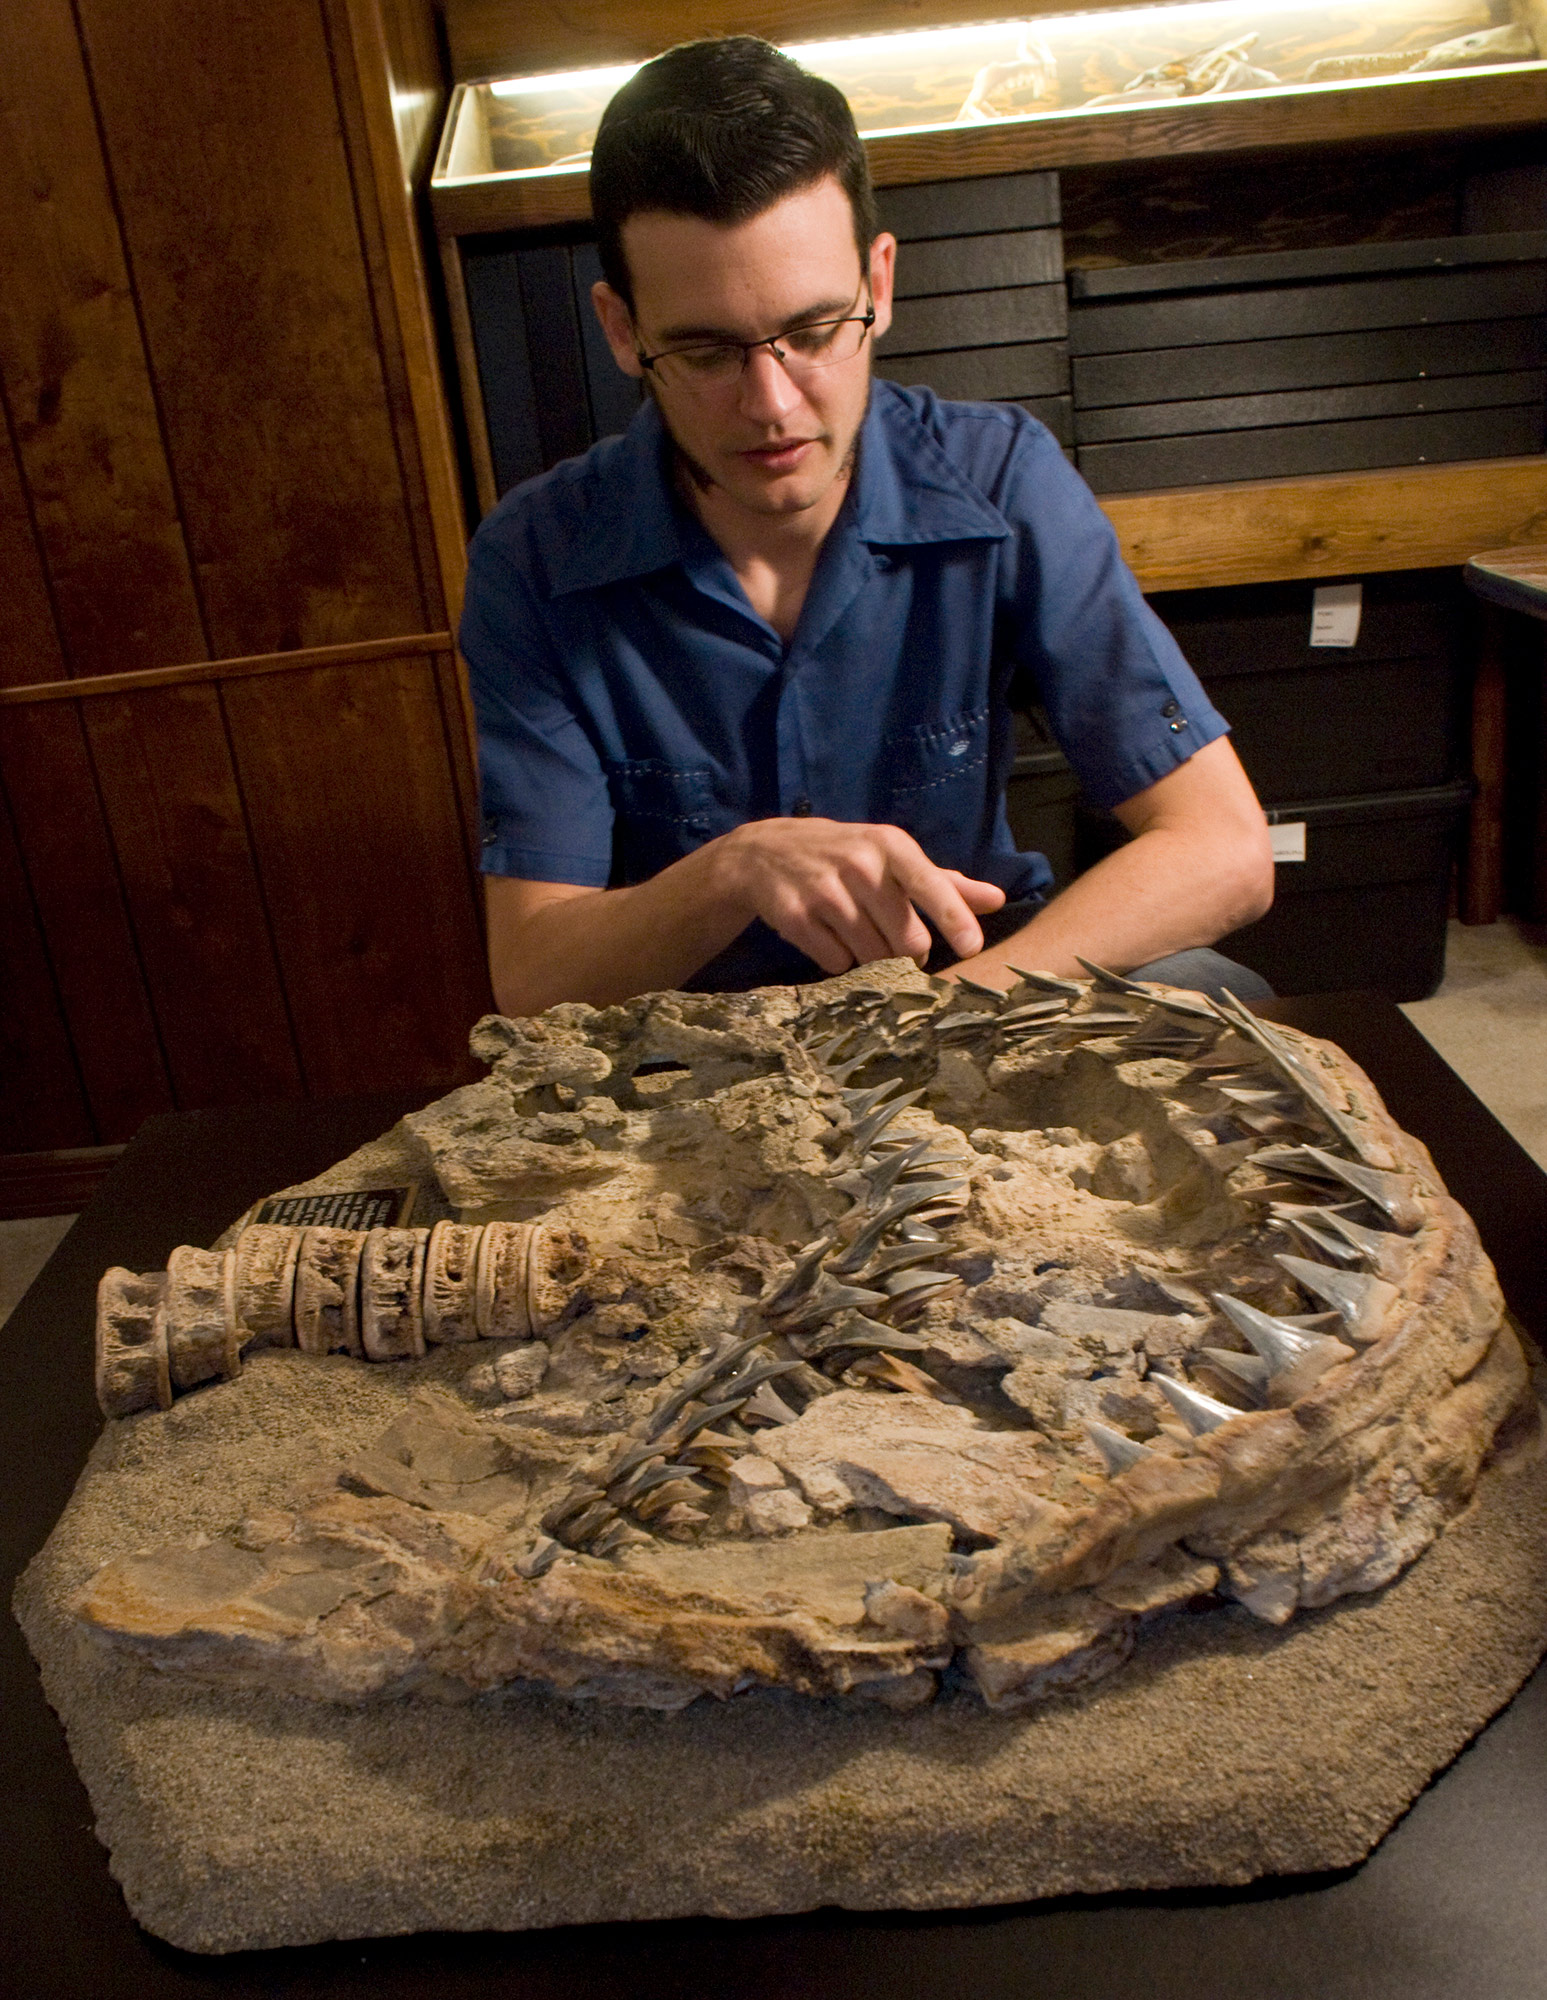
[{"x": 1102, "y": 69}]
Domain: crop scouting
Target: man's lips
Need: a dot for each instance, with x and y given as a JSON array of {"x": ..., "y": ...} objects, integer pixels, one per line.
[{"x": 783, "y": 456}]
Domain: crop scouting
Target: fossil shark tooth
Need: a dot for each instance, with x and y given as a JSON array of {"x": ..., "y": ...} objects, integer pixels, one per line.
[
  {"x": 671, "y": 1407},
  {"x": 1033, "y": 1013},
  {"x": 1385, "y": 1254},
  {"x": 868, "y": 1130},
  {"x": 1249, "y": 1372},
  {"x": 1296, "y": 1072},
  {"x": 911, "y": 1287},
  {"x": 855, "y": 1330},
  {"x": 879, "y": 1178},
  {"x": 752, "y": 1378},
  {"x": 1047, "y": 982},
  {"x": 994, "y": 993},
  {"x": 801, "y": 1276},
  {"x": 864, "y": 1245},
  {"x": 1279, "y": 1344},
  {"x": 1200, "y": 1413},
  {"x": 1119, "y": 1451},
  {"x": 571, "y": 1505},
  {"x": 1117, "y": 982},
  {"x": 539, "y": 1558},
  {"x": 898, "y": 1257},
  {"x": 769, "y": 1405},
  {"x": 828, "y": 1298},
  {"x": 861, "y": 1101},
  {"x": 965, "y": 1019},
  {"x": 681, "y": 1490},
  {"x": 1362, "y": 1300},
  {"x": 624, "y": 1492},
  {"x": 1391, "y": 1193},
  {"x": 579, "y": 1530},
  {"x": 1306, "y": 1224}
]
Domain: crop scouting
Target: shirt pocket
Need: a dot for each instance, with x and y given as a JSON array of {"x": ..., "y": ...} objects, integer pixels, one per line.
[
  {"x": 661, "y": 812},
  {"x": 936, "y": 783}
]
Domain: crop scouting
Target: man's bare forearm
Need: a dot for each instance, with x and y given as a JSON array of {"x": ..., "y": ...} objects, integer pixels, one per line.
[
  {"x": 843, "y": 893},
  {"x": 1164, "y": 892},
  {"x": 606, "y": 945}
]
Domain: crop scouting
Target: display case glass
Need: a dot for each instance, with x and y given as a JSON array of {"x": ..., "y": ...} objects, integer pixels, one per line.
[{"x": 1107, "y": 65}]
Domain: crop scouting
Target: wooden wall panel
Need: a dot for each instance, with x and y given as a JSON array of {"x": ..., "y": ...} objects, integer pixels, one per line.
[
  {"x": 239, "y": 218},
  {"x": 370, "y": 888},
  {"x": 29, "y": 639},
  {"x": 41, "y": 1101},
  {"x": 164, "y": 764},
  {"x": 46, "y": 768},
  {"x": 80, "y": 397}
]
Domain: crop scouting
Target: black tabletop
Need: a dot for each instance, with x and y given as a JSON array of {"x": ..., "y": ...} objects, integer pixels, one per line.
[{"x": 1451, "y": 1904}]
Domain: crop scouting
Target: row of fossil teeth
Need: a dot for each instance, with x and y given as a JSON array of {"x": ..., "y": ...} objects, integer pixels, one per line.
[
  {"x": 661, "y": 1473},
  {"x": 817, "y": 1313},
  {"x": 1284, "y": 1363},
  {"x": 1286, "y": 1359},
  {"x": 378, "y": 1294}
]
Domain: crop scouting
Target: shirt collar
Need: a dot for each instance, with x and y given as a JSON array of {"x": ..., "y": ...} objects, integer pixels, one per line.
[{"x": 627, "y": 520}]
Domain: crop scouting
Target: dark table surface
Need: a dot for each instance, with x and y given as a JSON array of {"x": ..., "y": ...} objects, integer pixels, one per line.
[{"x": 1454, "y": 1902}]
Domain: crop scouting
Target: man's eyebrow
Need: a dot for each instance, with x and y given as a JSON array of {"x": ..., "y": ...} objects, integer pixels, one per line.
[{"x": 679, "y": 336}]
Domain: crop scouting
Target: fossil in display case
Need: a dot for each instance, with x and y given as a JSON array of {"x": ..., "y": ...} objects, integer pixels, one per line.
[
  {"x": 1099, "y": 61},
  {"x": 837, "y": 1339}
]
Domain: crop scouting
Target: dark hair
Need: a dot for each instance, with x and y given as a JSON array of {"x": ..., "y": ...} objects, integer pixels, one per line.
[{"x": 721, "y": 129}]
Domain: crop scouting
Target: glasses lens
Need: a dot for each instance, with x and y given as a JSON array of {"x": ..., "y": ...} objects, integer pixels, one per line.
[
  {"x": 821, "y": 345},
  {"x": 700, "y": 367},
  {"x": 801, "y": 349}
]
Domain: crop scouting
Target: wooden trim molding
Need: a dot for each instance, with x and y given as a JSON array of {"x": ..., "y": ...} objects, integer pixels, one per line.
[
  {"x": 54, "y": 1183},
  {"x": 1329, "y": 524},
  {"x": 395, "y": 194},
  {"x": 358, "y": 653}
]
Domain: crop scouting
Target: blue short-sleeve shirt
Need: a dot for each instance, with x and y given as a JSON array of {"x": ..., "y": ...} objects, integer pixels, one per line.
[{"x": 632, "y": 705}]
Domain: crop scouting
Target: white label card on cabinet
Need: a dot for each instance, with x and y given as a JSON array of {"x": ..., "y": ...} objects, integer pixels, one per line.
[
  {"x": 1288, "y": 840},
  {"x": 1335, "y": 610}
]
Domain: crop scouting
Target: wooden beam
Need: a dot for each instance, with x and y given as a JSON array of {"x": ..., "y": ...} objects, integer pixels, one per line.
[{"x": 1330, "y": 524}]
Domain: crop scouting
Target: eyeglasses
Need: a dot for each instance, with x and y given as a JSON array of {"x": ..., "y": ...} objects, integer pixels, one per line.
[{"x": 715, "y": 364}]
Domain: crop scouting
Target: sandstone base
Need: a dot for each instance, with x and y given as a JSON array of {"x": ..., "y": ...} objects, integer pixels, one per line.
[{"x": 1225, "y": 1750}]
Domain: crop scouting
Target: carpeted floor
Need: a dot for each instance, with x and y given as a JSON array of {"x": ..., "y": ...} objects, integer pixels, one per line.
[{"x": 1488, "y": 1020}]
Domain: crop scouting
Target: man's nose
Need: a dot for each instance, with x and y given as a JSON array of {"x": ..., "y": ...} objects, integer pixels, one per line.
[{"x": 767, "y": 393}]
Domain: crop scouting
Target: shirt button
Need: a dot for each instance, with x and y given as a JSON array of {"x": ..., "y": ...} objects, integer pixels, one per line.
[
  {"x": 1172, "y": 708},
  {"x": 801, "y": 808}
]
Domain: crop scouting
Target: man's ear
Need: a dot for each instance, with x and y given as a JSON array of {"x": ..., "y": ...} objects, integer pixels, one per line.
[
  {"x": 618, "y": 325},
  {"x": 883, "y": 270}
]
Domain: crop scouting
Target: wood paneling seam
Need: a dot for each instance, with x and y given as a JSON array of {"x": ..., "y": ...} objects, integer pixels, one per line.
[{"x": 358, "y": 652}]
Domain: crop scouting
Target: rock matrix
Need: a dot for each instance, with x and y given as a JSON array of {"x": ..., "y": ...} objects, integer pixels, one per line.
[{"x": 837, "y": 1339}]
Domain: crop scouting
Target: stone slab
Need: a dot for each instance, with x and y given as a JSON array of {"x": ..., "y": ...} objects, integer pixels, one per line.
[{"x": 1226, "y": 1750}]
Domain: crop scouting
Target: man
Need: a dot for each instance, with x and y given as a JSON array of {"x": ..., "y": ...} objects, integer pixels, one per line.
[{"x": 744, "y": 676}]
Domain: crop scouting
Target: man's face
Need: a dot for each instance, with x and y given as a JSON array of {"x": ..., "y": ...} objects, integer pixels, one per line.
[{"x": 770, "y": 441}]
